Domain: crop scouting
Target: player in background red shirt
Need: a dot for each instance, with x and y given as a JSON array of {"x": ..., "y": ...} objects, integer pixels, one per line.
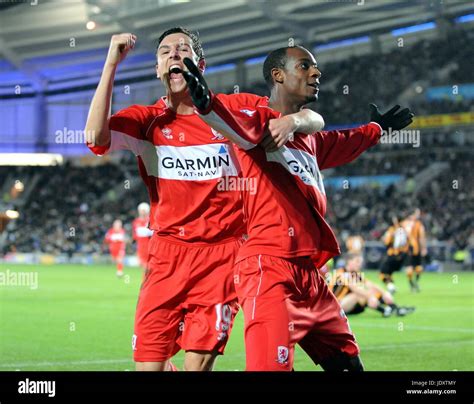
[
  {"x": 284, "y": 297},
  {"x": 187, "y": 300},
  {"x": 115, "y": 239},
  {"x": 142, "y": 233}
]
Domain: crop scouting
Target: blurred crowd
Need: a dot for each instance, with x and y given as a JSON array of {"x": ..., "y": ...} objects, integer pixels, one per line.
[
  {"x": 447, "y": 203},
  {"x": 71, "y": 208}
]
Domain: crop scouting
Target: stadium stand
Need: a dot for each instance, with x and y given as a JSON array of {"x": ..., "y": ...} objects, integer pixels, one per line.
[{"x": 428, "y": 63}]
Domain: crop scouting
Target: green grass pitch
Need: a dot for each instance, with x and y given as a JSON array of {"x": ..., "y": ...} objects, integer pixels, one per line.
[{"x": 81, "y": 318}]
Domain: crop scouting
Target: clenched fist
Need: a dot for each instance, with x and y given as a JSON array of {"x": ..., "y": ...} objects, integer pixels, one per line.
[
  {"x": 120, "y": 45},
  {"x": 281, "y": 131}
]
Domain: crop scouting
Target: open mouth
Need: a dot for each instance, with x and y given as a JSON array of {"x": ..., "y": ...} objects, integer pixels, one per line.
[
  {"x": 175, "y": 72},
  {"x": 314, "y": 85}
]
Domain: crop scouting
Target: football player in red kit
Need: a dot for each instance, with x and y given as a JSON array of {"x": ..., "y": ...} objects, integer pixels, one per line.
[
  {"x": 187, "y": 300},
  {"x": 142, "y": 233},
  {"x": 115, "y": 239},
  {"x": 284, "y": 298}
]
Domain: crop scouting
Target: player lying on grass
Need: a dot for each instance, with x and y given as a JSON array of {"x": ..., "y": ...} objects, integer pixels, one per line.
[
  {"x": 115, "y": 239},
  {"x": 284, "y": 298},
  {"x": 354, "y": 292},
  {"x": 187, "y": 300}
]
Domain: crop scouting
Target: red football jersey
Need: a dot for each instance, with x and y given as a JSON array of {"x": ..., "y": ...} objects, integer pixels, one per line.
[
  {"x": 140, "y": 229},
  {"x": 142, "y": 235},
  {"x": 115, "y": 237},
  {"x": 286, "y": 207},
  {"x": 183, "y": 163}
]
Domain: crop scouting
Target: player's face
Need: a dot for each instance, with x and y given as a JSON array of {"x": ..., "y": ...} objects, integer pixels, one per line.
[
  {"x": 117, "y": 225},
  {"x": 301, "y": 79},
  {"x": 171, "y": 52}
]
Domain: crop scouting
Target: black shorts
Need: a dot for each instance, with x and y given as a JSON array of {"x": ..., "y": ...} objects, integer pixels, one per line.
[
  {"x": 358, "y": 308},
  {"x": 415, "y": 260},
  {"x": 393, "y": 263}
]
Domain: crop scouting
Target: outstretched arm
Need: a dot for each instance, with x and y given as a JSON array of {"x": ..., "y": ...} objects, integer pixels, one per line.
[
  {"x": 281, "y": 130},
  {"x": 338, "y": 147}
]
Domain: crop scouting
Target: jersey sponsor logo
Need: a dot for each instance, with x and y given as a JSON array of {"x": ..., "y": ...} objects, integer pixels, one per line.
[
  {"x": 196, "y": 163},
  {"x": 117, "y": 237},
  {"x": 248, "y": 112},
  {"x": 301, "y": 164},
  {"x": 217, "y": 135},
  {"x": 282, "y": 354}
]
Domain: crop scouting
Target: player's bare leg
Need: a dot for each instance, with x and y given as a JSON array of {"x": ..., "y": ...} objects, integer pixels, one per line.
[
  {"x": 200, "y": 361},
  {"x": 119, "y": 263},
  {"x": 418, "y": 271},
  {"x": 386, "y": 304},
  {"x": 388, "y": 280},
  {"x": 383, "y": 307},
  {"x": 155, "y": 366},
  {"x": 413, "y": 282},
  {"x": 349, "y": 302}
]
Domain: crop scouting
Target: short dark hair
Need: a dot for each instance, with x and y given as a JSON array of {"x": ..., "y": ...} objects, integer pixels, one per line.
[
  {"x": 196, "y": 41},
  {"x": 275, "y": 60}
]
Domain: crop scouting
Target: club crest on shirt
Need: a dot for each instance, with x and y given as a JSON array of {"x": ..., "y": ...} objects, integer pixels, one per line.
[
  {"x": 167, "y": 133},
  {"x": 248, "y": 112},
  {"x": 282, "y": 354},
  {"x": 217, "y": 135}
]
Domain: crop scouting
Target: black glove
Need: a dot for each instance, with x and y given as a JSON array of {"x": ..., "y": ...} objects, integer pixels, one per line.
[
  {"x": 198, "y": 88},
  {"x": 391, "y": 119}
]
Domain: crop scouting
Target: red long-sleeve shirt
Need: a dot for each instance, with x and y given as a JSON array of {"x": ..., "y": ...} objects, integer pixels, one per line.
[{"x": 283, "y": 192}]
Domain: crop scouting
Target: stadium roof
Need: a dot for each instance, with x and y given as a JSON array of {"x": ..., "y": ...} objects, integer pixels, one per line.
[{"x": 46, "y": 41}]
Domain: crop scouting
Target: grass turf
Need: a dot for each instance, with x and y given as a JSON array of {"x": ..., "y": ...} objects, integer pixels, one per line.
[{"x": 81, "y": 318}]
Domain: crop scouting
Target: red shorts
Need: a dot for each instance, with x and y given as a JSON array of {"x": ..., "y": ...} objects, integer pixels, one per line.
[
  {"x": 142, "y": 251},
  {"x": 187, "y": 300},
  {"x": 287, "y": 301},
  {"x": 117, "y": 251}
]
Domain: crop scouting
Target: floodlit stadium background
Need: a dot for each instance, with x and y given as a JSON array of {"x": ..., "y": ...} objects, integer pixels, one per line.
[{"x": 57, "y": 200}]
